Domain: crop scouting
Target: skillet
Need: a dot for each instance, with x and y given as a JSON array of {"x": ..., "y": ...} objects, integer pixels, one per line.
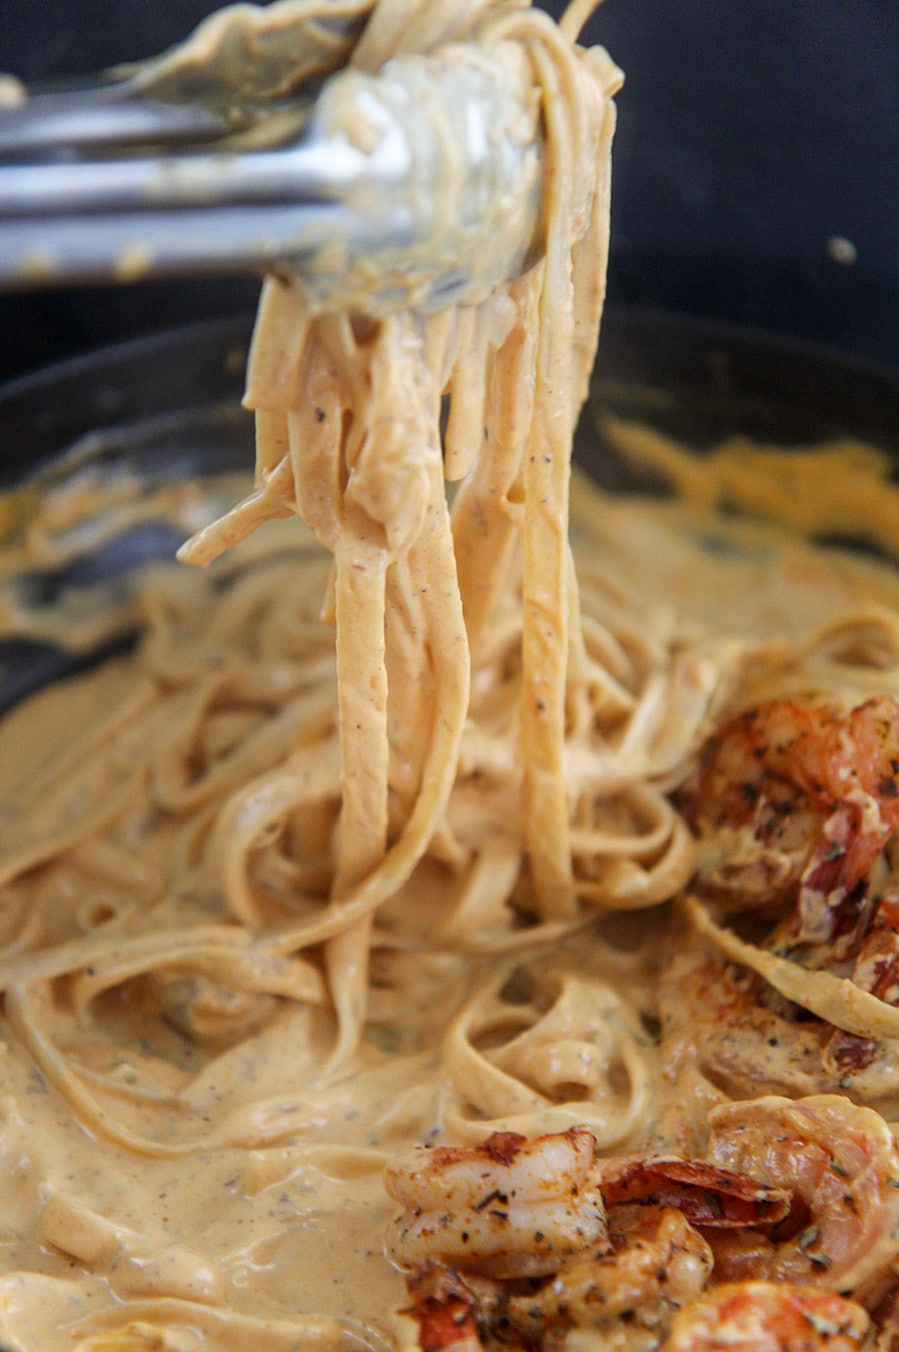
[{"x": 166, "y": 408}]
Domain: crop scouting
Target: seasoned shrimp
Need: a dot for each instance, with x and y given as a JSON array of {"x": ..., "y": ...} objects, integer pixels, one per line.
[
  {"x": 886, "y": 1320},
  {"x": 746, "y": 1040},
  {"x": 703, "y": 1193},
  {"x": 876, "y": 969},
  {"x": 625, "y": 1298},
  {"x": 769, "y": 1317},
  {"x": 506, "y": 1208},
  {"x": 618, "y": 1284},
  {"x": 719, "y": 1016},
  {"x": 792, "y": 803},
  {"x": 446, "y": 1309},
  {"x": 659, "y": 1262},
  {"x": 842, "y": 1167}
]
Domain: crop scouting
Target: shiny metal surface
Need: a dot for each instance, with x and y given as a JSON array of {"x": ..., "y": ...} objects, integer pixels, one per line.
[{"x": 108, "y": 187}]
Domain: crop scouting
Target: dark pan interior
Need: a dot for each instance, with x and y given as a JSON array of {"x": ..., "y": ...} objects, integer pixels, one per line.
[{"x": 173, "y": 396}]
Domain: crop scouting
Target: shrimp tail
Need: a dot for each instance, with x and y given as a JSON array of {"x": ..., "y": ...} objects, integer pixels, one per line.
[
  {"x": 703, "y": 1193},
  {"x": 443, "y": 1305}
]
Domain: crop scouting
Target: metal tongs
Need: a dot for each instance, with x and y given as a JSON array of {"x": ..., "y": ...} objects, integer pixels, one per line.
[{"x": 419, "y": 185}]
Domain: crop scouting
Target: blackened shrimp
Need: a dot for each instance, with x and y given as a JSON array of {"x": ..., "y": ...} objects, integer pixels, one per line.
[
  {"x": 769, "y": 1317},
  {"x": 792, "y": 802},
  {"x": 842, "y": 1167},
  {"x": 506, "y": 1208}
]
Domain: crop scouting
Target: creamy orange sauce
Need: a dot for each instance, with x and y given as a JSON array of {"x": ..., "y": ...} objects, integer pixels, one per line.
[{"x": 241, "y": 1184}]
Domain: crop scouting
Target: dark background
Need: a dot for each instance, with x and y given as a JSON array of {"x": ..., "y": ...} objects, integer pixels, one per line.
[{"x": 754, "y": 136}]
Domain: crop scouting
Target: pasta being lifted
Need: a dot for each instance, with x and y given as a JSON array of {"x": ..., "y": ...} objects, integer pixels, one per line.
[
  {"x": 348, "y": 436},
  {"x": 274, "y": 910}
]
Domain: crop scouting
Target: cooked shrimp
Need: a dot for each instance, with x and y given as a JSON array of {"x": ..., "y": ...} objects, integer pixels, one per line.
[
  {"x": 448, "y": 1327},
  {"x": 509, "y": 1207},
  {"x": 792, "y": 803},
  {"x": 620, "y": 1282},
  {"x": 842, "y": 1167},
  {"x": 444, "y": 1307},
  {"x": 769, "y": 1317},
  {"x": 703, "y": 1193},
  {"x": 886, "y": 1321},
  {"x": 747, "y": 1040},
  {"x": 719, "y": 1015},
  {"x": 626, "y": 1298},
  {"x": 876, "y": 969}
]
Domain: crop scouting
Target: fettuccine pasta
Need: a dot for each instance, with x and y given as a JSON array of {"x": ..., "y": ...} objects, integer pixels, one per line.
[{"x": 395, "y": 826}]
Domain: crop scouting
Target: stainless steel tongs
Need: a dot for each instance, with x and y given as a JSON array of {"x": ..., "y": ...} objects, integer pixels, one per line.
[{"x": 416, "y": 186}]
